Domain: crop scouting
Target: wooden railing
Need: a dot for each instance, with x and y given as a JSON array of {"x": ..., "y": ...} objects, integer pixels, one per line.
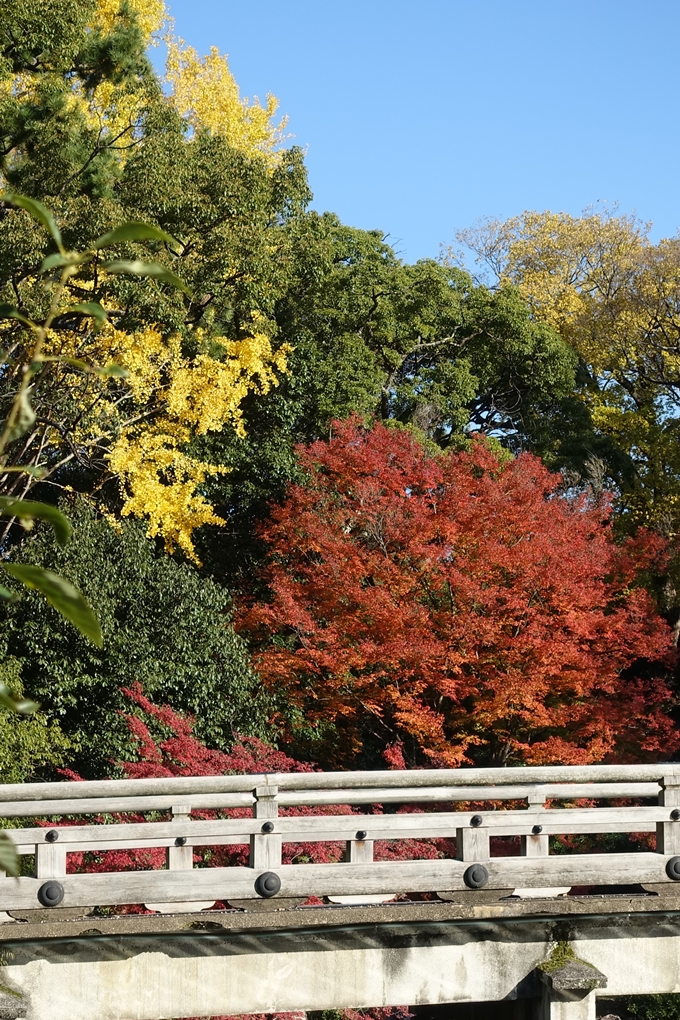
[{"x": 646, "y": 800}]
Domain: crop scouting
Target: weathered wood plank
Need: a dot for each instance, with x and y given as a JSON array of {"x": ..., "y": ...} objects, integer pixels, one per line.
[
  {"x": 535, "y": 845},
  {"x": 50, "y": 860},
  {"x": 217, "y": 785},
  {"x": 472, "y": 844},
  {"x": 359, "y": 851},
  {"x": 25, "y": 808},
  {"x": 119, "y": 805},
  {"x": 140, "y": 844},
  {"x": 327, "y": 828},
  {"x": 339, "y": 879},
  {"x": 443, "y": 794}
]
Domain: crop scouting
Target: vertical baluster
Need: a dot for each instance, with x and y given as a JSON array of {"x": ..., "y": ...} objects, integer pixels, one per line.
[
  {"x": 668, "y": 833},
  {"x": 265, "y": 846},
  {"x": 180, "y": 856},
  {"x": 535, "y": 844},
  {"x": 472, "y": 844},
  {"x": 360, "y": 849},
  {"x": 50, "y": 863},
  {"x": 50, "y": 857}
]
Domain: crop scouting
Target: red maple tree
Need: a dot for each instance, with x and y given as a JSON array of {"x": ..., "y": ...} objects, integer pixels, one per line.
[
  {"x": 460, "y": 604},
  {"x": 166, "y": 746}
]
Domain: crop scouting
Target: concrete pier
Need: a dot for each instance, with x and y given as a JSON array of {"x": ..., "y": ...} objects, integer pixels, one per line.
[{"x": 547, "y": 960}]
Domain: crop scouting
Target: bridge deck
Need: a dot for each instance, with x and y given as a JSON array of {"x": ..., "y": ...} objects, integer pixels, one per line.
[
  {"x": 62, "y": 924},
  {"x": 148, "y": 967}
]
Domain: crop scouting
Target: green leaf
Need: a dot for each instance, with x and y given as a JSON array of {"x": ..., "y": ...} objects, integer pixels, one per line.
[
  {"x": 10, "y": 312},
  {"x": 61, "y": 594},
  {"x": 28, "y": 469},
  {"x": 92, "y": 308},
  {"x": 138, "y": 268},
  {"x": 22, "y": 705},
  {"x": 27, "y": 510},
  {"x": 9, "y": 858},
  {"x": 24, "y": 419},
  {"x": 109, "y": 370},
  {"x": 7, "y": 595},
  {"x": 133, "y": 231},
  {"x": 63, "y": 359},
  {"x": 57, "y": 260},
  {"x": 113, "y": 370},
  {"x": 38, "y": 211}
]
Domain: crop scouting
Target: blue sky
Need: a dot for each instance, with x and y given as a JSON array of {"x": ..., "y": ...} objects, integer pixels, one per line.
[{"x": 418, "y": 118}]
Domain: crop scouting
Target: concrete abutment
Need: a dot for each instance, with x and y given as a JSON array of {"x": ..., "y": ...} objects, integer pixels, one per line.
[{"x": 550, "y": 964}]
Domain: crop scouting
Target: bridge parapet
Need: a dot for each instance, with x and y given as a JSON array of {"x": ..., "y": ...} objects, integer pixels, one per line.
[{"x": 469, "y": 806}]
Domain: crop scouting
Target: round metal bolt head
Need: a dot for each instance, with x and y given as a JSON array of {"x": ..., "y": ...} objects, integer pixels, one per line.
[
  {"x": 361, "y": 834},
  {"x": 673, "y": 869},
  {"x": 52, "y": 836},
  {"x": 537, "y": 829},
  {"x": 268, "y": 827},
  {"x": 675, "y": 814},
  {"x": 476, "y": 821},
  {"x": 51, "y": 894},
  {"x": 476, "y": 876},
  {"x": 267, "y": 884},
  {"x": 181, "y": 841}
]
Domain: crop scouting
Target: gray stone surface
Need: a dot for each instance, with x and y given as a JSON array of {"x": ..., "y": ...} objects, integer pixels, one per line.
[
  {"x": 143, "y": 967},
  {"x": 61, "y": 923},
  {"x": 574, "y": 976}
]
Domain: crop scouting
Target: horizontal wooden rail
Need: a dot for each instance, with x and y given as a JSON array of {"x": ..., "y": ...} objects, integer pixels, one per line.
[
  {"x": 377, "y": 878},
  {"x": 524, "y": 776},
  {"x": 557, "y": 801},
  {"x": 329, "y": 828},
  {"x": 29, "y": 807}
]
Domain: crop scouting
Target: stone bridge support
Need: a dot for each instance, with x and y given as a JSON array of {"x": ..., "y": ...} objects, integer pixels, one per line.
[{"x": 551, "y": 964}]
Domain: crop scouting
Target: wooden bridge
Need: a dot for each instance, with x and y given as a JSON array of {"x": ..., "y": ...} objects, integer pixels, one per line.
[{"x": 527, "y": 947}]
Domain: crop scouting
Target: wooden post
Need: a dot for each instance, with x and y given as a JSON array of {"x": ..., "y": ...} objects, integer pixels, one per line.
[
  {"x": 265, "y": 846},
  {"x": 472, "y": 844},
  {"x": 180, "y": 857},
  {"x": 535, "y": 844},
  {"x": 50, "y": 860},
  {"x": 668, "y": 833},
  {"x": 359, "y": 851}
]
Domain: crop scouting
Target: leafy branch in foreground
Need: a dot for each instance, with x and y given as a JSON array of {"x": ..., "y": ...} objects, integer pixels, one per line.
[{"x": 57, "y": 270}]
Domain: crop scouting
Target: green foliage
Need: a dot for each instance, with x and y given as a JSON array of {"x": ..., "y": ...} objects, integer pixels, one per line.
[
  {"x": 419, "y": 345},
  {"x": 61, "y": 594},
  {"x": 9, "y": 859},
  {"x": 29, "y": 744},
  {"x": 654, "y": 1007},
  {"x": 164, "y": 627},
  {"x": 21, "y": 369},
  {"x": 46, "y": 142}
]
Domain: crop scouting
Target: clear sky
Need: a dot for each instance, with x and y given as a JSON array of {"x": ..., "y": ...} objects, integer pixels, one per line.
[{"x": 421, "y": 116}]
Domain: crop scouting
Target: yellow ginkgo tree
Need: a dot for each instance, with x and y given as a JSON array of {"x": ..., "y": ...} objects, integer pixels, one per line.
[
  {"x": 206, "y": 168},
  {"x": 614, "y": 295}
]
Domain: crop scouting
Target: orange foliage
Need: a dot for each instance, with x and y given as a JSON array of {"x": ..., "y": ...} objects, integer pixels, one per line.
[{"x": 461, "y": 604}]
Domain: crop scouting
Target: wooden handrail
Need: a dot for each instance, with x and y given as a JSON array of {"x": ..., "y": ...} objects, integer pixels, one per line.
[
  {"x": 409, "y": 779},
  {"x": 646, "y": 799}
]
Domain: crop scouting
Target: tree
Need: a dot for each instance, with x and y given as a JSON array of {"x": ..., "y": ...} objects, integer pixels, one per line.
[
  {"x": 424, "y": 598},
  {"x": 418, "y": 344},
  {"x": 165, "y": 628},
  {"x": 613, "y": 295},
  {"x": 88, "y": 130},
  {"x": 30, "y": 743}
]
